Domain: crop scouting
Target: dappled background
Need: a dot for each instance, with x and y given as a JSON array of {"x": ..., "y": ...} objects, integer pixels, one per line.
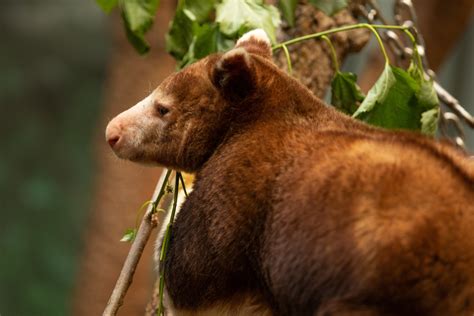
[{"x": 61, "y": 61}]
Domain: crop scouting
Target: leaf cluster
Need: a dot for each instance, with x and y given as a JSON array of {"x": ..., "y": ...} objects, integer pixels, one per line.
[
  {"x": 200, "y": 28},
  {"x": 401, "y": 99}
]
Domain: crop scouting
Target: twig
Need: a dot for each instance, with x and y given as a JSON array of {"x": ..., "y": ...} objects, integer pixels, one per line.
[
  {"x": 130, "y": 265},
  {"x": 135, "y": 253},
  {"x": 341, "y": 29},
  {"x": 453, "y": 104},
  {"x": 165, "y": 243}
]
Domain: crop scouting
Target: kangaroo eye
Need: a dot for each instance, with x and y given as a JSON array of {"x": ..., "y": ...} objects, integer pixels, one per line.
[{"x": 162, "y": 111}]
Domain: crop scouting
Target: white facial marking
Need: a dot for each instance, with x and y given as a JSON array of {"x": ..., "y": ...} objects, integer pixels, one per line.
[
  {"x": 132, "y": 126},
  {"x": 136, "y": 118},
  {"x": 139, "y": 110},
  {"x": 140, "y": 117},
  {"x": 257, "y": 34}
]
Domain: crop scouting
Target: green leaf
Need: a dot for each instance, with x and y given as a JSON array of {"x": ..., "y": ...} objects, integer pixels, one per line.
[
  {"x": 188, "y": 40},
  {"x": 107, "y": 5},
  {"x": 198, "y": 10},
  {"x": 138, "y": 17},
  {"x": 429, "y": 121},
  {"x": 427, "y": 95},
  {"x": 185, "y": 25},
  {"x": 287, "y": 8},
  {"x": 139, "y": 13},
  {"x": 402, "y": 99},
  {"x": 345, "y": 93},
  {"x": 378, "y": 92},
  {"x": 180, "y": 35},
  {"x": 138, "y": 41},
  {"x": 224, "y": 43},
  {"x": 392, "y": 102},
  {"x": 207, "y": 39},
  {"x": 427, "y": 98},
  {"x": 129, "y": 235},
  {"x": 204, "y": 42},
  {"x": 329, "y": 7},
  {"x": 236, "y": 17}
]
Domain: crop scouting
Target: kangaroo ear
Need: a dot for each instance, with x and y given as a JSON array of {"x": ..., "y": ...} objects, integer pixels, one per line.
[
  {"x": 256, "y": 42},
  {"x": 233, "y": 74}
]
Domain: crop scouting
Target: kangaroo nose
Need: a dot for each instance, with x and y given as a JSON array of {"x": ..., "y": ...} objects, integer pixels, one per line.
[
  {"x": 112, "y": 140},
  {"x": 112, "y": 134}
]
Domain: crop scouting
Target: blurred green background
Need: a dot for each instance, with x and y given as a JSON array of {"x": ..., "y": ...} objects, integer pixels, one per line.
[{"x": 53, "y": 56}]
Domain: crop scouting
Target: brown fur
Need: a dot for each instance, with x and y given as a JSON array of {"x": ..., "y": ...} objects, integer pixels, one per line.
[{"x": 313, "y": 212}]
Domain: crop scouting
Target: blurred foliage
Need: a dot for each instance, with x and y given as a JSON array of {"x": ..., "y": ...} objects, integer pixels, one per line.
[
  {"x": 198, "y": 28},
  {"x": 399, "y": 99},
  {"x": 52, "y": 63},
  {"x": 207, "y": 22}
]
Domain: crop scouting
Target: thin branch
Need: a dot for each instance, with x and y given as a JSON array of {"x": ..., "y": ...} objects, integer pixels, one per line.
[
  {"x": 333, "y": 53},
  {"x": 288, "y": 59},
  {"x": 180, "y": 175},
  {"x": 128, "y": 270},
  {"x": 337, "y": 30},
  {"x": 453, "y": 104},
  {"x": 165, "y": 244},
  {"x": 130, "y": 265}
]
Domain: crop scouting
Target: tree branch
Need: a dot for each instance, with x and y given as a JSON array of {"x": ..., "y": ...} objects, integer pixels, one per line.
[{"x": 143, "y": 235}]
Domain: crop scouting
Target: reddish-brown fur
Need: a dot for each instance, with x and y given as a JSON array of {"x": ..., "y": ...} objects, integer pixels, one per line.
[{"x": 300, "y": 207}]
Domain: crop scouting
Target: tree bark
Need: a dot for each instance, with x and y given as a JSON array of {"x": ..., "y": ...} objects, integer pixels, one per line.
[{"x": 311, "y": 60}]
